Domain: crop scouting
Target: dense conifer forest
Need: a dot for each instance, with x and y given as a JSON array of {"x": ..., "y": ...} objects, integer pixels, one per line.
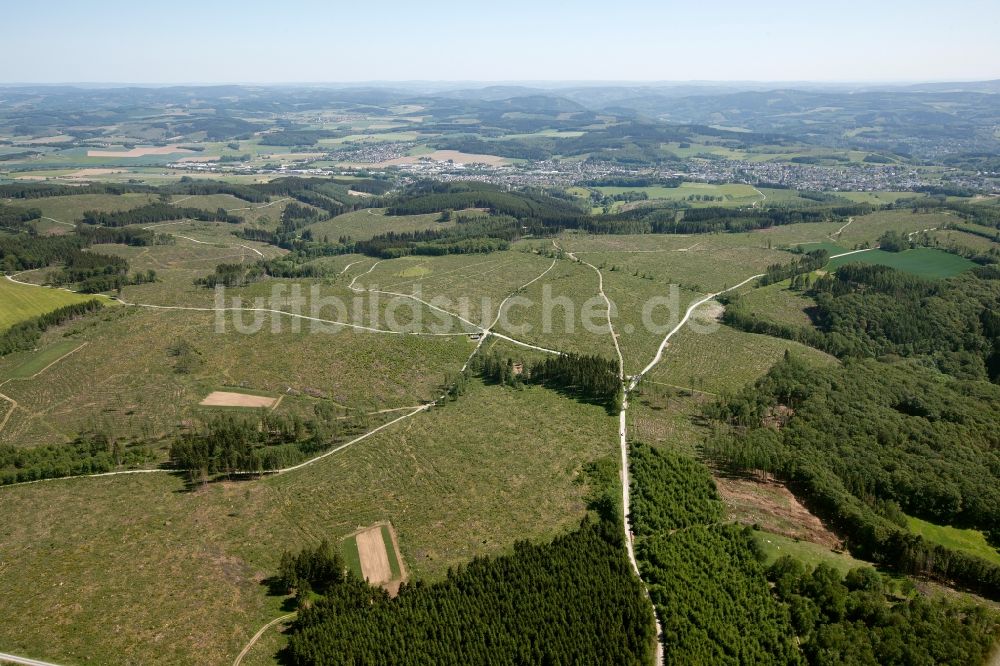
[
  {"x": 571, "y": 601},
  {"x": 586, "y": 377}
]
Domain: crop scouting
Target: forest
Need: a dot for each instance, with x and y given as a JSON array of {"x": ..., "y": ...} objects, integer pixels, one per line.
[
  {"x": 470, "y": 235},
  {"x": 89, "y": 453},
  {"x": 705, "y": 578},
  {"x": 433, "y": 197},
  {"x": 156, "y": 212},
  {"x": 718, "y": 603},
  {"x": 571, "y": 601},
  {"x": 869, "y": 440},
  {"x": 230, "y": 444},
  {"x": 867, "y": 310},
  {"x": 586, "y": 377},
  {"x": 859, "y": 618}
]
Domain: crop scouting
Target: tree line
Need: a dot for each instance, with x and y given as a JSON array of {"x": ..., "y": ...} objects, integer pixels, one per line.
[
  {"x": 89, "y": 453},
  {"x": 26, "y": 333},
  {"x": 229, "y": 444},
  {"x": 17, "y": 219},
  {"x": 156, "y": 212},
  {"x": 240, "y": 275},
  {"x": 587, "y": 377}
]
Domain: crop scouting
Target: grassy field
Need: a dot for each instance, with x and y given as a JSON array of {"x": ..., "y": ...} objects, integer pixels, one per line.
[
  {"x": 43, "y": 358},
  {"x": 922, "y": 261},
  {"x": 811, "y": 554},
  {"x": 190, "y": 583},
  {"x": 969, "y": 541},
  {"x": 877, "y": 198},
  {"x": 22, "y": 302}
]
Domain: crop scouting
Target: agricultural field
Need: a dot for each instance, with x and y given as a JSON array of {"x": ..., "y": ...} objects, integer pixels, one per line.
[
  {"x": 372, "y": 554},
  {"x": 923, "y": 261},
  {"x": 438, "y": 480},
  {"x": 22, "y": 302},
  {"x": 875, "y": 197}
]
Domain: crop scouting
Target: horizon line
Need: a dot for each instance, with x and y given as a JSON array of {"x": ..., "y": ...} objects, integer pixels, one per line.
[{"x": 499, "y": 82}]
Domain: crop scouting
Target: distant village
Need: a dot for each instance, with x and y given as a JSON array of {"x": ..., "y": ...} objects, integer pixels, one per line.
[{"x": 844, "y": 177}]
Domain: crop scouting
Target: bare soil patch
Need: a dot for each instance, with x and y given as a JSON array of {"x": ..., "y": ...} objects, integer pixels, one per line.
[
  {"x": 141, "y": 151},
  {"x": 441, "y": 156},
  {"x": 87, "y": 173},
  {"x": 200, "y": 158},
  {"x": 228, "y": 399},
  {"x": 774, "y": 508},
  {"x": 374, "y": 559}
]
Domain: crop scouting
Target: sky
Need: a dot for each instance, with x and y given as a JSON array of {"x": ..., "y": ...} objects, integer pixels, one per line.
[{"x": 298, "y": 41}]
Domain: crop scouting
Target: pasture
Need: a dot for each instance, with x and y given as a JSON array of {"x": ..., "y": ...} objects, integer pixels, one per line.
[
  {"x": 966, "y": 540},
  {"x": 734, "y": 194},
  {"x": 38, "y": 361},
  {"x": 811, "y": 554}
]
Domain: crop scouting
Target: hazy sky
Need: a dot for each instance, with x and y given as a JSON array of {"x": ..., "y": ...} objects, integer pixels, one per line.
[{"x": 503, "y": 40}]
